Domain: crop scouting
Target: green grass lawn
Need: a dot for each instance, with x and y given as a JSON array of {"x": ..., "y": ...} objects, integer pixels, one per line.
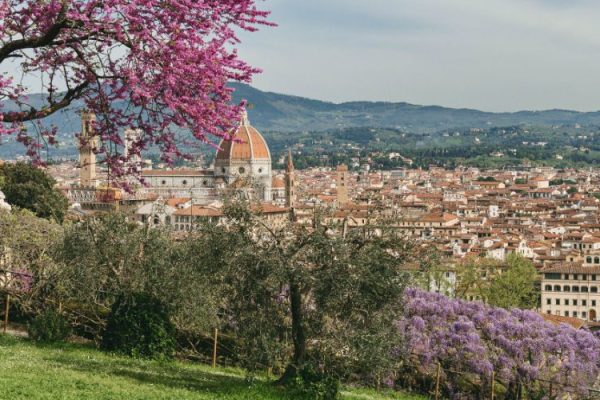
[{"x": 68, "y": 371}]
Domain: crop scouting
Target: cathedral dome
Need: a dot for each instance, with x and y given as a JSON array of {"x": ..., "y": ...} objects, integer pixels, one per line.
[
  {"x": 251, "y": 145},
  {"x": 278, "y": 183}
]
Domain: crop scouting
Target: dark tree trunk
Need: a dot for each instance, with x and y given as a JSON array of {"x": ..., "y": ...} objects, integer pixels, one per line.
[{"x": 298, "y": 335}]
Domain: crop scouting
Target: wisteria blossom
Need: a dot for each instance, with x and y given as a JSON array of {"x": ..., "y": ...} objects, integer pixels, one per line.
[
  {"x": 519, "y": 346},
  {"x": 158, "y": 66}
]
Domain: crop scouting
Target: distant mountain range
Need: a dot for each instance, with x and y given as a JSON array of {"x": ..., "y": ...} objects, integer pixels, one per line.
[
  {"x": 274, "y": 112},
  {"x": 279, "y": 112}
]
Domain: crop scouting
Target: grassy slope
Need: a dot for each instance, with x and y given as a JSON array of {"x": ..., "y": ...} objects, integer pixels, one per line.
[{"x": 66, "y": 372}]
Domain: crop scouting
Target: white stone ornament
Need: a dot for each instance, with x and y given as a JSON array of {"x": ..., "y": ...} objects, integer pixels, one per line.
[{"x": 3, "y": 204}]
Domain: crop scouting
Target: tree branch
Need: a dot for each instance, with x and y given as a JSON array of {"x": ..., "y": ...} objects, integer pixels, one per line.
[
  {"x": 39, "y": 41},
  {"x": 33, "y": 113}
]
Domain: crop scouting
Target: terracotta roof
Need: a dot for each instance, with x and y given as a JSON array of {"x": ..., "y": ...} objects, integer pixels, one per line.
[
  {"x": 175, "y": 201},
  {"x": 558, "y": 320},
  {"x": 277, "y": 183},
  {"x": 438, "y": 218},
  {"x": 246, "y": 144},
  {"x": 571, "y": 268},
  {"x": 199, "y": 211},
  {"x": 269, "y": 208}
]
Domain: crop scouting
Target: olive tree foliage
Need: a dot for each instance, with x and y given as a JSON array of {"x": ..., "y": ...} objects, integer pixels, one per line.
[
  {"x": 516, "y": 286},
  {"x": 28, "y": 269},
  {"x": 507, "y": 284},
  {"x": 296, "y": 296},
  {"x": 108, "y": 257}
]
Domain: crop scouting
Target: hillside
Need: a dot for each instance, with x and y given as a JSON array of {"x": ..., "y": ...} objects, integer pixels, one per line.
[
  {"x": 280, "y": 112},
  {"x": 71, "y": 371},
  {"x": 279, "y": 115}
]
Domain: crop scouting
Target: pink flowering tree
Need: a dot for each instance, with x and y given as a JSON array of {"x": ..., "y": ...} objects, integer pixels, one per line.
[{"x": 154, "y": 65}]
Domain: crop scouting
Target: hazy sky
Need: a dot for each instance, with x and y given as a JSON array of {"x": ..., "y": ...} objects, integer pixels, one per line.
[{"x": 496, "y": 55}]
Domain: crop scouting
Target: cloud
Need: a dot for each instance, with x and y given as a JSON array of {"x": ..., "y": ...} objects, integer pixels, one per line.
[{"x": 491, "y": 54}]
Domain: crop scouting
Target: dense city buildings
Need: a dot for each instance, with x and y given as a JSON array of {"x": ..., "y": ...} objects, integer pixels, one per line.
[{"x": 548, "y": 216}]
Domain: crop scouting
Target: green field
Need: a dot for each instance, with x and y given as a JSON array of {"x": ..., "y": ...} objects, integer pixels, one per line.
[{"x": 69, "y": 371}]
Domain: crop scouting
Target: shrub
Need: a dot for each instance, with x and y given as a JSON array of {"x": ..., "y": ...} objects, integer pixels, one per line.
[
  {"x": 314, "y": 384},
  {"x": 139, "y": 326},
  {"x": 49, "y": 326}
]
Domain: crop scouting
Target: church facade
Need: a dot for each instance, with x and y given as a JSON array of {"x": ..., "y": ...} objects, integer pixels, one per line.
[{"x": 242, "y": 164}]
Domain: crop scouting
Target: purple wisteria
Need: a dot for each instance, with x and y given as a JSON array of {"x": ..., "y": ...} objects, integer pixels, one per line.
[{"x": 470, "y": 338}]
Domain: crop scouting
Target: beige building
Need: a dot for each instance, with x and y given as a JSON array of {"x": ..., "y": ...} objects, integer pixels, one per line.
[{"x": 571, "y": 289}]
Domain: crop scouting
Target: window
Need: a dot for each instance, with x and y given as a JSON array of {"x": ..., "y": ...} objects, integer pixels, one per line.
[
  {"x": 588, "y": 260},
  {"x": 566, "y": 277},
  {"x": 558, "y": 302},
  {"x": 594, "y": 289},
  {"x": 566, "y": 313},
  {"x": 223, "y": 170},
  {"x": 556, "y": 288},
  {"x": 574, "y": 302},
  {"x": 566, "y": 302},
  {"x": 583, "y": 314},
  {"x": 163, "y": 182},
  {"x": 584, "y": 303},
  {"x": 575, "y": 314},
  {"x": 548, "y": 301},
  {"x": 184, "y": 182},
  {"x": 260, "y": 170},
  {"x": 567, "y": 288},
  {"x": 593, "y": 303},
  {"x": 552, "y": 276},
  {"x": 241, "y": 170},
  {"x": 584, "y": 289},
  {"x": 548, "y": 288},
  {"x": 575, "y": 289},
  {"x": 593, "y": 277}
]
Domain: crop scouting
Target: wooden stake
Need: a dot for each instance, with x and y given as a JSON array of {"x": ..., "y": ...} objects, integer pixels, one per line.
[
  {"x": 214, "y": 360},
  {"x": 6, "y": 308},
  {"x": 437, "y": 381},
  {"x": 493, "y": 385}
]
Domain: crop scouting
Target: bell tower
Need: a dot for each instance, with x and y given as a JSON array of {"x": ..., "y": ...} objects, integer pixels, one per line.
[
  {"x": 87, "y": 147},
  {"x": 290, "y": 191},
  {"x": 341, "y": 184}
]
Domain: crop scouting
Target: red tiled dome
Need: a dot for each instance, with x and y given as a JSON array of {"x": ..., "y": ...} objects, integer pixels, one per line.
[{"x": 251, "y": 144}]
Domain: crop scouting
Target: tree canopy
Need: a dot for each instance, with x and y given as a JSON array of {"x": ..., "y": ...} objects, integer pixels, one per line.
[
  {"x": 31, "y": 188},
  {"x": 152, "y": 65}
]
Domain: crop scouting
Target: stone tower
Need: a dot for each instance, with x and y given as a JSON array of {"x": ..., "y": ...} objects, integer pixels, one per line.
[
  {"x": 290, "y": 192},
  {"x": 342, "y": 184},
  {"x": 131, "y": 137},
  {"x": 87, "y": 147}
]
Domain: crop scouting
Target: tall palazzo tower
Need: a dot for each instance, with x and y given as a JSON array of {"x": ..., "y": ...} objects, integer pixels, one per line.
[
  {"x": 342, "y": 184},
  {"x": 290, "y": 191},
  {"x": 87, "y": 147}
]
